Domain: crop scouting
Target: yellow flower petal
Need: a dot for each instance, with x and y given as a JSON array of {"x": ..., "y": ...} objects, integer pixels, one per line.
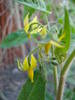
[
  {"x": 34, "y": 20},
  {"x": 26, "y": 20},
  {"x": 56, "y": 44},
  {"x": 47, "y": 47},
  {"x": 25, "y": 64},
  {"x": 18, "y": 63},
  {"x": 37, "y": 30},
  {"x": 43, "y": 32},
  {"x": 33, "y": 62},
  {"x": 26, "y": 28},
  {"x": 34, "y": 23},
  {"x": 20, "y": 66},
  {"x": 26, "y": 23},
  {"x": 61, "y": 37},
  {"x": 31, "y": 74}
]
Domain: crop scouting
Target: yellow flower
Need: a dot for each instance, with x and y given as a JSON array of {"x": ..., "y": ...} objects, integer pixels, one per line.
[
  {"x": 33, "y": 62},
  {"x": 31, "y": 74},
  {"x": 26, "y": 23},
  {"x": 28, "y": 67},
  {"x": 36, "y": 30},
  {"x": 25, "y": 64},
  {"x": 43, "y": 32},
  {"x": 34, "y": 22},
  {"x": 47, "y": 47},
  {"x": 49, "y": 44},
  {"x": 31, "y": 27},
  {"x": 56, "y": 44}
]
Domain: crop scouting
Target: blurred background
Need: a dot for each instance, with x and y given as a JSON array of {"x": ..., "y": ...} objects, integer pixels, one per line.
[{"x": 12, "y": 13}]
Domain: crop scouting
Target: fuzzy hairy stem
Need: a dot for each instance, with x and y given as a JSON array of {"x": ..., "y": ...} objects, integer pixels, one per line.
[
  {"x": 60, "y": 88},
  {"x": 63, "y": 75},
  {"x": 55, "y": 78}
]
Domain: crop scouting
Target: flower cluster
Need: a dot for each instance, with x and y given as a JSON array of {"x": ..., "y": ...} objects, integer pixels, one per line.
[
  {"x": 28, "y": 66},
  {"x": 34, "y": 27}
]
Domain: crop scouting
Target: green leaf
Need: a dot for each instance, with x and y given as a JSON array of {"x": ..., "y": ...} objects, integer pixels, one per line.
[
  {"x": 33, "y": 91},
  {"x": 61, "y": 52},
  {"x": 73, "y": 1},
  {"x": 66, "y": 30},
  {"x": 28, "y": 10},
  {"x": 35, "y": 6},
  {"x": 14, "y": 39},
  {"x": 60, "y": 20}
]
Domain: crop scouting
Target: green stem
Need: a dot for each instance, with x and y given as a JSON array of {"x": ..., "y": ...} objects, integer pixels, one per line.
[
  {"x": 60, "y": 88},
  {"x": 63, "y": 75},
  {"x": 55, "y": 78},
  {"x": 31, "y": 52},
  {"x": 42, "y": 66},
  {"x": 67, "y": 63}
]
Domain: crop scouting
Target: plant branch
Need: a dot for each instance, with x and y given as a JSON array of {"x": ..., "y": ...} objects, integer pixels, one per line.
[
  {"x": 63, "y": 75},
  {"x": 67, "y": 63}
]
